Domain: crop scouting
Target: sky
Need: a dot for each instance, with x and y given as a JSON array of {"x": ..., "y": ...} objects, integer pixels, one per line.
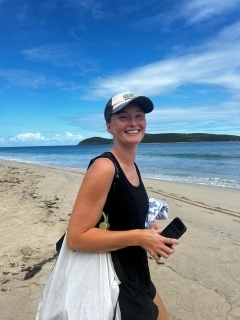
[{"x": 62, "y": 60}]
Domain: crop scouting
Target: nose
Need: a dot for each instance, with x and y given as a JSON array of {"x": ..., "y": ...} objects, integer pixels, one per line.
[{"x": 132, "y": 120}]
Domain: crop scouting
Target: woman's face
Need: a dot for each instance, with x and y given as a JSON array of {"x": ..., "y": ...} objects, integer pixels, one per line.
[{"x": 128, "y": 125}]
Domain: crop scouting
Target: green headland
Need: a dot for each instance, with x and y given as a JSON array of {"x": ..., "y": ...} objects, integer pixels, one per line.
[{"x": 168, "y": 137}]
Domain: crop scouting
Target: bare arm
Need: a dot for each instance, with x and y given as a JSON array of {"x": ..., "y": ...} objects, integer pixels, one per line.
[{"x": 82, "y": 234}]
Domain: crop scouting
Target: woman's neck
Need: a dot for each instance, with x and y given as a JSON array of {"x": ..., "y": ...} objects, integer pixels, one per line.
[{"x": 125, "y": 156}]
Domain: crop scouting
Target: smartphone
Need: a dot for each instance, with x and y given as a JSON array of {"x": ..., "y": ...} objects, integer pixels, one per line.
[{"x": 175, "y": 230}]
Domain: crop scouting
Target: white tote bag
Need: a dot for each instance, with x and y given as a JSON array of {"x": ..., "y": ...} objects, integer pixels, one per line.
[{"x": 82, "y": 286}]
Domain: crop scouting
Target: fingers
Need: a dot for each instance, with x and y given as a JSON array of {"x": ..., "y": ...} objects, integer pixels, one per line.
[
  {"x": 156, "y": 245},
  {"x": 164, "y": 252},
  {"x": 169, "y": 241},
  {"x": 166, "y": 249}
]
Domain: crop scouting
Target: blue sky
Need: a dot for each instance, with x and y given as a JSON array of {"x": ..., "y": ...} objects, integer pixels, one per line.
[{"x": 61, "y": 60}]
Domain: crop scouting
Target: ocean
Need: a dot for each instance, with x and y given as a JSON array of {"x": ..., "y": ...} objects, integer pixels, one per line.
[{"x": 208, "y": 163}]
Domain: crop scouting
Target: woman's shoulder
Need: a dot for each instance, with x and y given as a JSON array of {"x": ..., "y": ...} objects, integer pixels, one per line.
[{"x": 102, "y": 164}]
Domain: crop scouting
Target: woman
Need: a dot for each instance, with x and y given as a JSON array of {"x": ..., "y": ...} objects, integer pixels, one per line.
[{"x": 125, "y": 202}]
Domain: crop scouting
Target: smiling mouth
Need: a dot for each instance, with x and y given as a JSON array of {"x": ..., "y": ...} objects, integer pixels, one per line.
[{"x": 132, "y": 131}]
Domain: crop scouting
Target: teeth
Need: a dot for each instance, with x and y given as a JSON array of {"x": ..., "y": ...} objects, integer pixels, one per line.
[{"x": 132, "y": 131}]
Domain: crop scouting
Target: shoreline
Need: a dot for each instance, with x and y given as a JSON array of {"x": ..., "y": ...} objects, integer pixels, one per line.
[
  {"x": 36, "y": 201},
  {"x": 18, "y": 162}
]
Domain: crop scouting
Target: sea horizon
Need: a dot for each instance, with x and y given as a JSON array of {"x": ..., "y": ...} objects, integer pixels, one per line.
[{"x": 207, "y": 163}]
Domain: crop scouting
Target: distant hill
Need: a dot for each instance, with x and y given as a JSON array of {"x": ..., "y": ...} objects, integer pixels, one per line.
[
  {"x": 168, "y": 137},
  {"x": 95, "y": 140},
  {"x": 187, "y": 137}
]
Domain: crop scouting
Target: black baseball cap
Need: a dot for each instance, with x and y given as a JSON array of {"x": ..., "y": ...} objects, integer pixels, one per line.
[{"x": 121, "y": 100}]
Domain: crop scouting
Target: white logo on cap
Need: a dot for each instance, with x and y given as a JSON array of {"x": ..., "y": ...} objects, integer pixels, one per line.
[{"x": 121, "y": 98}]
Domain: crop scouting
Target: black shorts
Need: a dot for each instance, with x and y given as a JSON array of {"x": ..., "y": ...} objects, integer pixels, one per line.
[{"x": 138, "y": 307}]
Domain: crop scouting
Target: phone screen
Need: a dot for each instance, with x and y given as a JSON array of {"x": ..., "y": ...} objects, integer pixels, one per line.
[{"x": 174, "y": 230}]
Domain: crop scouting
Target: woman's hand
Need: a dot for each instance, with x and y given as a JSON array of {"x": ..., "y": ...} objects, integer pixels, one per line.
[
  {"x": 154, "y": 226},
  {"x": 155, "y": 244}
]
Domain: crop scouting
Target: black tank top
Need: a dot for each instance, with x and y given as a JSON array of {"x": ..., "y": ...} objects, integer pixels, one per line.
[{"x": 127, "y": 207}]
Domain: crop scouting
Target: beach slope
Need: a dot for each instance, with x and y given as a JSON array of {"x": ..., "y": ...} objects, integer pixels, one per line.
[{"x": 200, "y": 281}]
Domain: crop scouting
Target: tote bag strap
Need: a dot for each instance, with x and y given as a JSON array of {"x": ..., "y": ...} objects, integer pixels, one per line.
[
  {"x": 109, "y": 156},
  {"x": 116, "y": 176}
]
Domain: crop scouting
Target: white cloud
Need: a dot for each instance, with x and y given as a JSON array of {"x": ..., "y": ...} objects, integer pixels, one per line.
[
  {"x": 30, "y": 138},
  {"x": 108, "y": 10},
  {"x": 216, "y": 63},
  {"x": 227, "y": 36},
  {"x": 26, "y": 137},
  {"x": 67, "y": 136},
  {"x": 227, "y": 111},
  {"x": 217, "y": 118},
  {"x": 55, "y": 53},
  {"x": 24, "y": 78},
  {"x": 60, "y": 55},
  {"x": 188, "y": 12},
  {"x": 201, "y": 10}
]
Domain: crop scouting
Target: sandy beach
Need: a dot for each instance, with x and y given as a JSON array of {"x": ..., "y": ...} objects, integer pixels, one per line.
[{"x": 201, "y": 281}]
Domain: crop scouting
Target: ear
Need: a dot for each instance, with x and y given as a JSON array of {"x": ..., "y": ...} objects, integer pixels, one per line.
[{"x": 109, "y": 128}]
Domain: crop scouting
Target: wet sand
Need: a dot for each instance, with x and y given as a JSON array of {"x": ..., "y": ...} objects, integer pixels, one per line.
[{"x": 201, "y": 281}]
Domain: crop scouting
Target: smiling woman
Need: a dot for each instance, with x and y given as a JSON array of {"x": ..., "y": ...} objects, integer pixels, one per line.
[
  {"x": 128, "y": 123},
  {"x": 108, "y": 218}
]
